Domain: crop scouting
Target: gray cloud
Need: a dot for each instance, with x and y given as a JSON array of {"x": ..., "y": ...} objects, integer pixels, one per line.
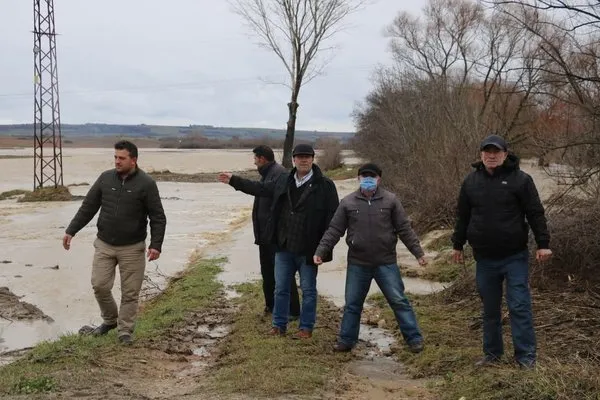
[{"x": 183, "y": 62}]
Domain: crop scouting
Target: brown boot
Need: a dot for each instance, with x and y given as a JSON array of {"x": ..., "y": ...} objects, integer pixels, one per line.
[
  {"x": 303, "y": 334},
  {"x": 275, "y": 331}
]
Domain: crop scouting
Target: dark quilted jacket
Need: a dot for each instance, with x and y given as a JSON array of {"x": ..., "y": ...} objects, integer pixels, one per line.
[
  {"x": 125, "y": 207},
  {"x": 495, "y": 212}
]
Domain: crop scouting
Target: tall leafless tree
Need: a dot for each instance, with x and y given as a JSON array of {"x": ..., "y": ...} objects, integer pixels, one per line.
[
  {"x": 568, "y": 34},
  {"x": 296, "y": 31}
]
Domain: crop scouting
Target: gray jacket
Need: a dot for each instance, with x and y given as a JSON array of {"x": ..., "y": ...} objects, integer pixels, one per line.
[{"x": 373, "y": 229}]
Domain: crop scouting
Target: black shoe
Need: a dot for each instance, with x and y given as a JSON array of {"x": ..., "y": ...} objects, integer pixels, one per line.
[
  {"x": 487, "y": 361},
  {"x": 126, "y": 339},
  {"x": 341, "y": 347},
  {"x": 526, "y": 363},
  {"x": 103, "y": 329},
  {"x": 416, "y": 347}
]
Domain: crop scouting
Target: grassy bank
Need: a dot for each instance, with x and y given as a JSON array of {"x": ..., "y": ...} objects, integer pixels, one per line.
[
  {"x": 344, "y": 172},
  {"x": 13, "y": 193},
  {"x": 568, "y": 366},
  {"x": 257, "y": 364},
  {"x": 60, "y": 193},
  {"x": 75, "y": 361}
]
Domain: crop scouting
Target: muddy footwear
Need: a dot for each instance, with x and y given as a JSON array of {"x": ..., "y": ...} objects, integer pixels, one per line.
[
  {"x": 86, "y": 330},
  {"x": 275, "y": 331},
  {"x": 488, "y": 361},
  {"x": 126, "y": 339},
  {"x": 526, "y": 363},
  {"x": 103, "y": 329},
  {"x": 341, "y": 347},
  {"x": 416, "y": 347},
  {"x": 302, "y": 334}
]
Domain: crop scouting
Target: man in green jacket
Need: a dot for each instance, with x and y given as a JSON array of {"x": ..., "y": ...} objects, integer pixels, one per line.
[
  {"x": 126, "y": 197},
  {"x": 374, "y": 219}
]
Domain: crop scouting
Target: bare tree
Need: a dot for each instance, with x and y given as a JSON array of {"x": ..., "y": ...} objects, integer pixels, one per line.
[
  {"x": 460, "y": 72},
  {"x": 296, "y": 31},
  {"x": 568, "y": 36}
]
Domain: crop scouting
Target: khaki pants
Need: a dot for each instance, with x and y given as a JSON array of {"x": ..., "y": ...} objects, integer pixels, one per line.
[{"x": 132, "y": 263}]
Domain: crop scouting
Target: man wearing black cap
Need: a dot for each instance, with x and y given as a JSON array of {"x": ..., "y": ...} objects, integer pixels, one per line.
[
  {"x": 496, "y": 205},
  {"x": 304, "y": 202},
  {"x": 374, "y": 219},
  {"x": 269, "y": 171}
]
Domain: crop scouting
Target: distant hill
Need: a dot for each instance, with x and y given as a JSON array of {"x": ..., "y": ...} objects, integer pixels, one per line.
[{"x": 162, "y": 131}]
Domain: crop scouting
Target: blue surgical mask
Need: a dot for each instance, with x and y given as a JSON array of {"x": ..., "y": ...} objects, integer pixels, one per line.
[{"x": 368, "y": 183}]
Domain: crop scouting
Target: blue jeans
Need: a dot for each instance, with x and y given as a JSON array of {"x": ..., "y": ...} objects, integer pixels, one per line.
[
  {"x": 387, "y": 277},
  {"x": 490, "y": 275},
  {"x": 286, "y": 265}
]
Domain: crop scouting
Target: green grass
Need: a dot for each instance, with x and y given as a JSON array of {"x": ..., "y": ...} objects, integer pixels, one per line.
[
  {"x": 69, "y": 360},
  {"x": 452, "y": 347},
  {"x": 343, "y": 172},
  {"x": 197, "y": 289},
  {"x": 257, "y": 364}
]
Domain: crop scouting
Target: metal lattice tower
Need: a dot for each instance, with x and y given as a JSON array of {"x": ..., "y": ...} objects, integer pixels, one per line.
[{"x": 46, "y": 124}]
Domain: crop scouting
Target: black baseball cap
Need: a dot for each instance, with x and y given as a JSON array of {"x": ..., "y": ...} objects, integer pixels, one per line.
[
  {"x": 494, "y": 140},
  {"x": 303, "y": 149},
  {"x": 369, "y": 168}
]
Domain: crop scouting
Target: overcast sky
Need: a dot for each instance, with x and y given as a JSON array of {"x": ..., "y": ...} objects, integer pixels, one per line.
[{"x": 183, "y": 62}]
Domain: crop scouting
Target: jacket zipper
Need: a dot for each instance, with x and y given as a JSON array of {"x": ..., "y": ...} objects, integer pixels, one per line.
[{"x": 119, "y": 198}]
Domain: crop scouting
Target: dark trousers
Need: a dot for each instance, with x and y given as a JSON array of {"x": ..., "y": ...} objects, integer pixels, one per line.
[
  {"x": 267, "y": 270},
  {"x": 490, "y": 276}
]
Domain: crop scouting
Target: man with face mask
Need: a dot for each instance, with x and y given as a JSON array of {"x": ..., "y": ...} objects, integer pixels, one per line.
[
  {"x": 304, "y": 201},
  {"x": 374, "y": 219},
  {"x": 496, "y": 205}
]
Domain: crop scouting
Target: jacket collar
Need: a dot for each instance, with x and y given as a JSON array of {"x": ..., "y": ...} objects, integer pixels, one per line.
[
  {"x": 264, "y": 170},
  {"x": 377, "y": 195},
  {"x": 317, "y": 174},
  {"x": 129, "y": 176},
  {"x": 510, "y": 164}
]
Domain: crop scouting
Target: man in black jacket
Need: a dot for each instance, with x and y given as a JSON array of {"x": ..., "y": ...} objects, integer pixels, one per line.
[
  {"x": 270, "y": 171},
  {"x": 304, "y": 202},
  {"x": 126, "y": 197},
  {"x": 496, "y": 205}
]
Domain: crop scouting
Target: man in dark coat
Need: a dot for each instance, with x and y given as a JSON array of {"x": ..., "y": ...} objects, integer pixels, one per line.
[
  {"x": 496, "y": 206},
  {"x": 270, "y": 171},
  {"x": 304, "y": 202}
]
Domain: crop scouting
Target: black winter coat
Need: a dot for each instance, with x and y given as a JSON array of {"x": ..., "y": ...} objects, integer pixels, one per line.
[
  {"x": 495, "y": 212},
  {"x": 321, "y": 203},
  {"x": 261, "y": 209}
]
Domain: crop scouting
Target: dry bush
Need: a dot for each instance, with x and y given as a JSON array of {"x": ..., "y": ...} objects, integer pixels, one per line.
[
  {"x": 331, "y": 157},
  {"x": 425, "y": 138},
  {"x": 575, "y": 241}
]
